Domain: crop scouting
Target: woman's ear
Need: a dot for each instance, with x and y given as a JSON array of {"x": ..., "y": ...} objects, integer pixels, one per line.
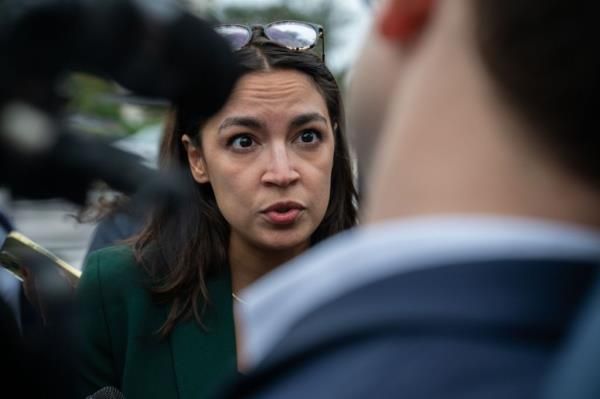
[
  {"x": 403, "y": 20},
  {"x": 196, "y": 160}
]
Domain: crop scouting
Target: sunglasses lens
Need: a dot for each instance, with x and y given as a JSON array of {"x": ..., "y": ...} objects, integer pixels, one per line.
[
  {"x": 237, "y": 36},
  {"x": 292, "y": 34}
]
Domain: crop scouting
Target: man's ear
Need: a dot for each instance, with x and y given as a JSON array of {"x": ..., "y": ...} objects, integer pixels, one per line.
[
  {"x": 196, "y": 160},
  {"x": 403, "y": 20}
]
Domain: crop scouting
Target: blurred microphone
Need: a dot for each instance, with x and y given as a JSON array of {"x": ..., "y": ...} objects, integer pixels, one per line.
[
  {"x": 152, "y": 48},
  {"x": 39, "y": 162},
  {"x": 106, "y": 393}
]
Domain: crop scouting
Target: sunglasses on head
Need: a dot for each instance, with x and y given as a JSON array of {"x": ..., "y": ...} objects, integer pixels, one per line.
[{"x": 294, "y": 35}]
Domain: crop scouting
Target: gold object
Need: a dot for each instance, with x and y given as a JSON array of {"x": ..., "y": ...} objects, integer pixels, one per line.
[{"x": 19, "y": 253}]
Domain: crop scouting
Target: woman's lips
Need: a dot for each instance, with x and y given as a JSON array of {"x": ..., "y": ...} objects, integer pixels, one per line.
[
  {"x": 283, "y": 218},
  {"x": 283, "y": 213}
]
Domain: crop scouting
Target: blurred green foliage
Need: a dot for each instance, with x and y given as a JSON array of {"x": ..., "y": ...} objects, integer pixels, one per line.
[
  {"x": 86, "y": 91},
  {"x": 99, "y": 106}
]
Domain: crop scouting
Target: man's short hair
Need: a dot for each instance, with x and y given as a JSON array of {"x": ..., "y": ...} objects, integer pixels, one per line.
[{"x": 544, "y": 56}]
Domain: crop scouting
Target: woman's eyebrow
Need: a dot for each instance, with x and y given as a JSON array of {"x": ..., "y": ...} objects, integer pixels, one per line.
[
  {"x": 244, "y": 121},
  {"x": 303, "y": 119}
]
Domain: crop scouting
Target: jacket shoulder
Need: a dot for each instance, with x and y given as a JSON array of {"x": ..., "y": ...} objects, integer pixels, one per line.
[
  {"x": 112, "y": 264},
  {"x": 113, "y": 274}
]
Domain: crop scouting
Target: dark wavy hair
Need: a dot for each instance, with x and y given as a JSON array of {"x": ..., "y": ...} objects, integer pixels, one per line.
[{"x": 180, "y": 249}]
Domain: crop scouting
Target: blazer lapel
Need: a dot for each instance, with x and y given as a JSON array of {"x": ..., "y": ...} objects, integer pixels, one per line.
[{"x": 204, "y": 357}]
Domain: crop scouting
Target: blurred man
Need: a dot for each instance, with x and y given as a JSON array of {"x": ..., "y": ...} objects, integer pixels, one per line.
[{"x": 476, "y": 121}]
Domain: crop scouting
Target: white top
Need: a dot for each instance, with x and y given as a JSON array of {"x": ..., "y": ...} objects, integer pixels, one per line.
[{"x": 274, "y": 303}]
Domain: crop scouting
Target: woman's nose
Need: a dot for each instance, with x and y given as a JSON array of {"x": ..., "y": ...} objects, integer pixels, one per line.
[{"x": 280, "y": 169}]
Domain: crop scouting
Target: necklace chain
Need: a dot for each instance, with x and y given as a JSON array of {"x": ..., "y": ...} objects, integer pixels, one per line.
[{"x": 237, "y": 298}]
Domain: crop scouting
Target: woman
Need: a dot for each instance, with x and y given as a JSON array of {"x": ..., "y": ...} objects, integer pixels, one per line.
[{"x": 271, "y": 176}]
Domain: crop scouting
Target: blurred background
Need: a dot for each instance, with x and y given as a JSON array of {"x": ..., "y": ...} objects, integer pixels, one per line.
[{"x": 102, "y": 108}]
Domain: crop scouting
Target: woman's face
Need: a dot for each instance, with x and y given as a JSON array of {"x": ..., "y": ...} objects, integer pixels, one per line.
[{"x": 268, "y": 156}]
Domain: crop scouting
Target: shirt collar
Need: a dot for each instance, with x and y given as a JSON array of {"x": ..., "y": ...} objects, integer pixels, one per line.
[{"x": 274, "y": 303}]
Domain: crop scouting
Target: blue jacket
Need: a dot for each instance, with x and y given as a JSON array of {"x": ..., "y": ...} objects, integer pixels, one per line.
[{"x": 480, "y": 330}]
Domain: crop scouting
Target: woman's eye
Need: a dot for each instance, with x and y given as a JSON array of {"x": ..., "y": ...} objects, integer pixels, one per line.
[
  {"x": 241, "y": 142},
  {"x": 309, "y": 136}
]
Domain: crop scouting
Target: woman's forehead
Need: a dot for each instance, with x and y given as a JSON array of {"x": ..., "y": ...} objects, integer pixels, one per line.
[
  {"x": 277, "y": 97},
  {"x": 279, "y": 88}
]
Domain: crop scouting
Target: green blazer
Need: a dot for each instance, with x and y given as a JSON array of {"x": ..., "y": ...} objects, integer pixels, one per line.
[{"x": 118, "y": 342}]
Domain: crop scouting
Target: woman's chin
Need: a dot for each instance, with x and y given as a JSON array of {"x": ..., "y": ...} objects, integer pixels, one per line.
[{"x": 286, "y": 241}]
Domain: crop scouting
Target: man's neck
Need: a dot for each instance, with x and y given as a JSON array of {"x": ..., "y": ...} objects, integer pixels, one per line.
[{"x": 454, "y": 146}]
